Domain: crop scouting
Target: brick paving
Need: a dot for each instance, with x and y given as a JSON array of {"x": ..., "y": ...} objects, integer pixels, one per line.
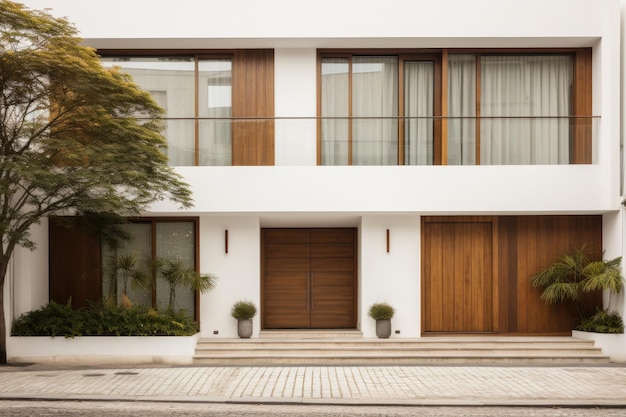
[{"x": 379, "y": 385}]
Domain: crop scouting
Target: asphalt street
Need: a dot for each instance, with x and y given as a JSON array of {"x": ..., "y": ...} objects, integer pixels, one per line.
[{"x": 157, "y": 409}]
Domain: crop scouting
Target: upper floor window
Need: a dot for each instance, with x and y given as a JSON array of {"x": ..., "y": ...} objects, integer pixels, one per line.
[
  {"x": 213, "y": 104},
  {"x": 484, "y": 107},
  {"x": 378, "y": 110}
]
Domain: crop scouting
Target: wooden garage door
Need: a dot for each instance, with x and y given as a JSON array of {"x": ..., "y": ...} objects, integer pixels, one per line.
[
  {"x": 457, "y": 276},
  {"x": 308, "y": 278}
]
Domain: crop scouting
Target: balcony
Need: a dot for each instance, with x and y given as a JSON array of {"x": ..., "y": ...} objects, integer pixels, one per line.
[
  {"x": 390, "y": 141},
  {"x": 297, "y": 184}
]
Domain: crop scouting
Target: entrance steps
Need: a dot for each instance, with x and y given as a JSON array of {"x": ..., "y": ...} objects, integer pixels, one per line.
[{"x": 293, "y": 348}]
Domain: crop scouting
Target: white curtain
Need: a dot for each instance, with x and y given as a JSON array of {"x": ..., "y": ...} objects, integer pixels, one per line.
[
  {"x": 375, "y": 100},
  {"x": 418, "y": 112},
  {"x": 335, "y": 111},
  {"x": 461, "y": 110},
  {"x": 215, "y": 98},
  {"x": 533, "y": 91}
]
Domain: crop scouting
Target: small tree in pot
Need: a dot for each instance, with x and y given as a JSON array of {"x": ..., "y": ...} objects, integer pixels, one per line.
[
  {"x": 244, "y": 311},
  {"x": 382, "y": 313}
]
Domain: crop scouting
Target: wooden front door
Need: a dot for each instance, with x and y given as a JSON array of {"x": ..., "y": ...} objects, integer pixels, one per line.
[
  {"x": 308, "y": 278},
  {"x": 457, "y": 277}
]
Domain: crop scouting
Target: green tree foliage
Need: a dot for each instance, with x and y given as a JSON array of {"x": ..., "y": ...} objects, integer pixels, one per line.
[{"x": 75, "y": 138}]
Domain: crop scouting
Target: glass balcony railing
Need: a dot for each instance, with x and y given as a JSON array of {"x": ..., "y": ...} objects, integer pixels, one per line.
[{"x": 383, "y": 141}]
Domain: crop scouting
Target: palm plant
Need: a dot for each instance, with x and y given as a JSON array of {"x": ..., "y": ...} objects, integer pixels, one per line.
[
  {"x": 576, "y": 273},
  {"x": 177, "y": 272},
  {"x": 126, "y": 268}
]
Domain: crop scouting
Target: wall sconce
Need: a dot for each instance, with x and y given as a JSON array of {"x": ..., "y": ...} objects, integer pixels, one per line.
[
  {"x": 387, "y": 240},
  {"x": 226, "y": 241}
]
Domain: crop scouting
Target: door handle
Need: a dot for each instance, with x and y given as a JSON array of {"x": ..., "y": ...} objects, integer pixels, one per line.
[
  {"x": 308, "y": 291},
  {"x": 311, "y": 288}
]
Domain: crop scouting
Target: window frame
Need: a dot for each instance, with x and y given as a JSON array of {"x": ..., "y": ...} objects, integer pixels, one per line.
[
  {"x": 152, "y": 221},
  {"x": 251, "y": 101},
  {"x": 580, "y": 142}
]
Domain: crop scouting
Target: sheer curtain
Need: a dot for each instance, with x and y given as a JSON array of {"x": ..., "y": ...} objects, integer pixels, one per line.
[
  {"x": 215, "y": 98},
  {"x": 335, "y": 111},
  {"x": 375, "y": 99},
  {"x": 461, "y": 110},
  {"x": 525, "y": 87},
  {"x": 418, "y": 109}
]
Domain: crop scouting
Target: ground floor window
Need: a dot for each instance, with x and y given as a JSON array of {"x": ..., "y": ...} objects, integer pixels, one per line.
[
  {"x": 131, "y": 270},
  {"x": 85, "y": 270}
]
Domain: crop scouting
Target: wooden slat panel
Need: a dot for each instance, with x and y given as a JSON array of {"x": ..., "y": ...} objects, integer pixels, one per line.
[
  {"x": 540, "y": 240},
  {"x": 332, "y": 300},
  {"x": 454, "y": 266},
  {"x": 581, "y": 147},
  {"x": 75, "y": 263},
  {"x": 285, "y": 300},
  {"x": 253, "y": 97},
  {"x": 458, "y": 277}
]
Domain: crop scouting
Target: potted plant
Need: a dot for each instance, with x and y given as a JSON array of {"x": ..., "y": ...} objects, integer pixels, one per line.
[
  {"x": 576, "y": 273},
  {"x": 382, "y": 313},
  {"x": 243, "y": 311}
]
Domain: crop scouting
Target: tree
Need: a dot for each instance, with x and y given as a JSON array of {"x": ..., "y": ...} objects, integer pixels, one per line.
[{"x": 75, "y": 138}]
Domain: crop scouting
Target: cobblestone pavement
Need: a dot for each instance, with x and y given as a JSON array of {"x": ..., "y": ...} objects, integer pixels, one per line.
[{"x": 379, "y": 385}]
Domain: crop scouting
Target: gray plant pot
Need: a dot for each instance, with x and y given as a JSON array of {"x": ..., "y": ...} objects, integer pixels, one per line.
[
  {"x": 383, "y": 328},
  {"x": 244, "y": 328}
]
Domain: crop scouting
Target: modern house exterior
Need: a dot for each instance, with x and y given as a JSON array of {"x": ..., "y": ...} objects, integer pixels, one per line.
[{"x": 432, "y": 155}]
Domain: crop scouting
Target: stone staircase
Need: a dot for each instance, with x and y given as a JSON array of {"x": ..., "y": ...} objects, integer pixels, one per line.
[{"x": 350, "y": 348}]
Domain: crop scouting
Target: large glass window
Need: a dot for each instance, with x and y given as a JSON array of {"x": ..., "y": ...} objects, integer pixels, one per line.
[
  {"x": 497, "y": 108},
  {"x": 152, "y": 242},
  {"x": 215, "y": 111},
  {"x": 172, "y": 84},
  {"x": 524, "y": 101},
  {"x": 219, "y": 105},
  {"x": 368, "y": 118}
]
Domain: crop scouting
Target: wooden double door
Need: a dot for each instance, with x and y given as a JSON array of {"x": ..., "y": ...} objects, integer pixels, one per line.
[{"x": 308, "y": 278}]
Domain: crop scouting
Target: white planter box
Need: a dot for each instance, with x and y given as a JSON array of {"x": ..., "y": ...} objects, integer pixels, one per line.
[
  {"x": 102, "y": 349},
  {"x": 613, "y": 345}
]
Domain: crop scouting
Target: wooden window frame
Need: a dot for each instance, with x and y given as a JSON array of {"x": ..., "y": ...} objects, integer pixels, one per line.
[
  {"x": 582, "y": 118},
  {"x": 152, "y": 221},
  {"x": 252, "y": 139},
  {"x": 403, "y": 56}
]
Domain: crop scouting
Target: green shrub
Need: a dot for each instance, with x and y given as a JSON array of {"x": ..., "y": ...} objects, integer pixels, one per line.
[
  {"x": 381, "y": 311},
  {"x": 603, "y": 322},
  {"x": 103, "y": 319},
  {"x": 51, "y": 320},
  {"x": 243, "y": 310}
]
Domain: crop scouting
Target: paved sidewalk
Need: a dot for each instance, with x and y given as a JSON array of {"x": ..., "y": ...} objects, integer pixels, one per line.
[{"x": 376, "y": 385}]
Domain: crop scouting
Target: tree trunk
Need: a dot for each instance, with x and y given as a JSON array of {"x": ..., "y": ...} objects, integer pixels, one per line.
[{"x": 4, "y": 263}]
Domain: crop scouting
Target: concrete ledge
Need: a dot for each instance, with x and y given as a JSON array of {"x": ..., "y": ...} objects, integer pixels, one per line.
[
  {"x": 102, "y": 349},
  {"x": 613, "y": 345}
]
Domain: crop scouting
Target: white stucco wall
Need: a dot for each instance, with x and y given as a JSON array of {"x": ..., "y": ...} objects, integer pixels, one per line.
[
  {"x": 239, "y": 271},
  {"x": 392, "y": 277}
]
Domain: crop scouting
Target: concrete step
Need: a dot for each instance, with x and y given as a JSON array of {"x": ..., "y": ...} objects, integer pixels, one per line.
[{"x": 308, "y": 348}]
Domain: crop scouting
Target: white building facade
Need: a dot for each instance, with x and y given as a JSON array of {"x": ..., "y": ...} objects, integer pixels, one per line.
[{"x": 432, "y": 155}]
